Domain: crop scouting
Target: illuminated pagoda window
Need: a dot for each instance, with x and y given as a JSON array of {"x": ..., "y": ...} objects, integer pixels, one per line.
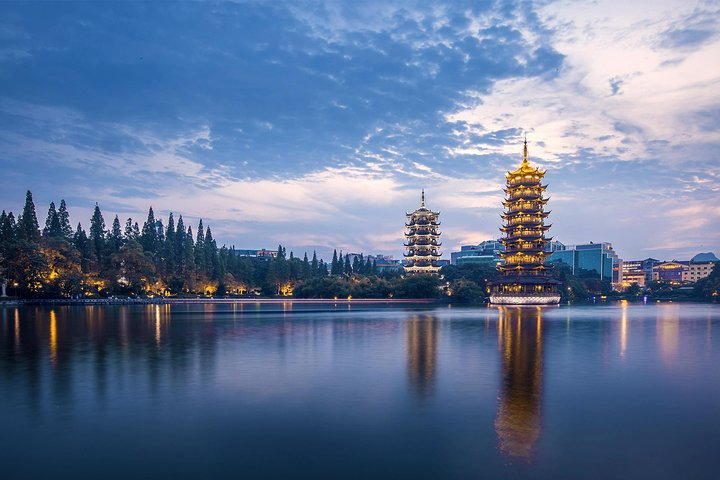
[
  {"x": 422, "y": 240},
  {"x": 525, "y": 277}
]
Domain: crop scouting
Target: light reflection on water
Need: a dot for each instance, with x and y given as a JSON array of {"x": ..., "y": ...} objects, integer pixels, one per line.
[{"x": 360, "y": 392}]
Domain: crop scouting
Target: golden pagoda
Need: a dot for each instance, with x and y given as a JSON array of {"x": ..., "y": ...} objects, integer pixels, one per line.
[
  {"x": 422, "y": 240},
  {"x": 524, "y": 273}
]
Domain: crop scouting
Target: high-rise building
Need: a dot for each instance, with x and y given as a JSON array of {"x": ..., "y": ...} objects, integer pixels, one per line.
[
  {"x": 485, "y": 252},
  {"x": 488, "y": 252},
  {"x": 594, "y": 258},
  {"x": 524, "y": 273},
  {"x": 422, "y": 240}
]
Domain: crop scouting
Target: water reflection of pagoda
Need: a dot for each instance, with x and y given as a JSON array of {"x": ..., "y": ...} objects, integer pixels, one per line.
[
  {"x": 521, "y": 355},
  {"x": 525, "y": 279},
  {"x": 421, "y": 341},
  {"x": 422, "y": 240}
]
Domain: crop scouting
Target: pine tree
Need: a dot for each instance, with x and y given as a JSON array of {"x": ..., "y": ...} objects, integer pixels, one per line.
[
  {"x": 314, "y": 265},
  {"x": 189, "y": 253},
  {"x": 136, "y": 232},
  {"x": 180, "y": 245},
  {"x": 52, "y": 223},
  {"x": 334, "y": 265},
  {"x": 148, "y": 238},
  {"x": 368, "y": 270},
  {"x": 64, "y": 219},
  {"x": 306, "y": 269},
  {"x": 211, "y": 255},
  {"x": 97, "y": 233},
  {"x": 27, "y": 227},
  {"x": 3, "y": 221},
  {"x": 322, "y": 269},
  {"x": 7, "y": 238},
  {"x": 348, "y": 267},
  {"x": 200, "y": 248},
  {"x": 129, "y": 234},
  {"x": 169, "y": 246},
  {"x": 115, "y": 239},
  {"x": 81, "y": 242},
  {"x": 159, "y": 235},
  {"x": 52, "y": 213}
]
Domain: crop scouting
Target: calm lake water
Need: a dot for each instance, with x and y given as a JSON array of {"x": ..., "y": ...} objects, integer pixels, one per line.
[{"x": 243, "y": 391}]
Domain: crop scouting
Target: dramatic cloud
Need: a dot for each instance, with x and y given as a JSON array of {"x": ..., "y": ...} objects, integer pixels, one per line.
[{"x": 316, "y": 124}]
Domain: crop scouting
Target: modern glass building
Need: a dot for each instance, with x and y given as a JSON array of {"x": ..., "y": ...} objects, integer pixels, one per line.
[
  {"x": 484, "y": 252},
  {"x": 489, "y": 252},
  {"x": 592, "y": 257}
]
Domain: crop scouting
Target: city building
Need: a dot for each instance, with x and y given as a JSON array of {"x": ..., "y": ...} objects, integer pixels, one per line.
[
  {"x": 669, "y": 272},
  {"x": 633, "y": 277},
  {"x": 524, "y": 273},
  {"x": 385, "y": 263},
  {"x": 422, "y": 240},
  {"x": 488, "y": 252},
  {"x": 697, "y": 271},
  {"x": 256, "y": 253},
  {"x": 633, "y": 268},
  {"x": 592, "y": 259},
  {"x": 485, "y": 252},
  {"x": 682, "y": 272}
]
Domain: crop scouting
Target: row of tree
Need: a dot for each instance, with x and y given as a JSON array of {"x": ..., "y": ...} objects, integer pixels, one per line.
[
  {"x": 170, "y": 259},
  {"x": 157, "y": 258}
]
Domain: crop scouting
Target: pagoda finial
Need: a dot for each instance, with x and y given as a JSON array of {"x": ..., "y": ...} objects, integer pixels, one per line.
[
  {"x": 525, "y": 154},
  {"x": 423, "y": 198}
]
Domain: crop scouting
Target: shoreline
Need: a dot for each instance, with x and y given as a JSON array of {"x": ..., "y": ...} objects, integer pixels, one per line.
[
  {"x": 200, "y": 301},
  {"x": 300, "y": 301}
]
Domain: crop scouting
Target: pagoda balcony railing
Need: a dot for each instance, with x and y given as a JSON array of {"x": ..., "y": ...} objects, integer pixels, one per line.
[
  {"x": 422, "y": 224},
  {"x": 513, "y": 212},
  {"x": 423, "y": 233},
  {"x": 526, "y": 250},
  {"x": 525, "y": 196},
  {"x": 523, "y": 235},
  {"x": 423, "y": 243},
  {"x": 422, "y": 261},
  {"x": 524, "y": 181},
  {"x": 415, "y": 253},
  {"x": 524, "y": 219},
  {"x": 520, "y": 270},
  {"x": 510, "y": 243},
  {"x": 522, "y": 259}
]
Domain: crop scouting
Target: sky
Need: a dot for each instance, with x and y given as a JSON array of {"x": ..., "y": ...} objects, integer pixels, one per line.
[{"x": 315, "y": 124}]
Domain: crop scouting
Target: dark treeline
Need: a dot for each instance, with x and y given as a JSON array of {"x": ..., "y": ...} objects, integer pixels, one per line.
[{"x": 165, "y": 259}]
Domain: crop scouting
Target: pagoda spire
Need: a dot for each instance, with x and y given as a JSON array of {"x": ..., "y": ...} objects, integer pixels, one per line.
[
  {"x": 422, "y": 204},
  {"x": 525, "y": 152}
]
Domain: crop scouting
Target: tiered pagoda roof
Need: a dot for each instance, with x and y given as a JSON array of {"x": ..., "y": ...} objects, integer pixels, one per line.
[
  {"x": 422, "y": 240},
  {"x": 524, "y": 270}
]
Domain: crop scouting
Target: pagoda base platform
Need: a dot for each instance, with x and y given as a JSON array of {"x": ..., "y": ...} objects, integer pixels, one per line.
[
  {"x": 525, "y": 290},
  {"x": 525, "y": 298}
]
